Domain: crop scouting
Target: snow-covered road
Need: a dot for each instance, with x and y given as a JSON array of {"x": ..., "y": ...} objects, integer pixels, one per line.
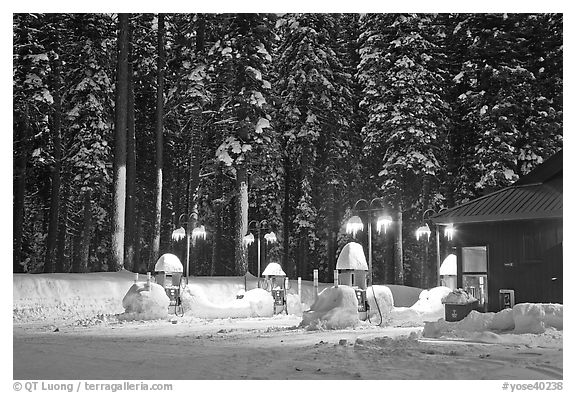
[{"x": 269, "y": 348}]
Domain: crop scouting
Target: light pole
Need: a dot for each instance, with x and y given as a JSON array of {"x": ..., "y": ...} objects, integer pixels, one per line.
[
  {"x": 191, "y": 235},
  {"x": 355, "y": 224},
  {"x": 424, "y": 231},
  {"x": 259, "y": 226}
]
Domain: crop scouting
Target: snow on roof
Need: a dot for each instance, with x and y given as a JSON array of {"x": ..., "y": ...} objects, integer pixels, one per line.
[
  {"x": 448, "y": 267},
  {"x": 273, "y": 269},
  {"x": 352, "y": 257},
  {"x": 169, "y": 263}
]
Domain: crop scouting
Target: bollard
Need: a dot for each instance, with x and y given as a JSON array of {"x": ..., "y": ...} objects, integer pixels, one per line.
[
  {"x": 315, "y": 284},
  {"x": 300, "y": 288},
  {"x": 135, "y": 278},
  {"x": 335, "y": 278},
  {"x": 148, "y": 278}
]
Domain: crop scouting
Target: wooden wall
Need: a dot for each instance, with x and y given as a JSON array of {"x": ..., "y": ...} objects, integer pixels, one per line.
[{"x": 522, "y": 255}]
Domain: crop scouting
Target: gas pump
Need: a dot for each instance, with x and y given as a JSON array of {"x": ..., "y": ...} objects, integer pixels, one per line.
[
  {"x": 168, "y": 274},
  {"x": 280, "y": 294},
  {"x": 353, "y": 270},
  {"x": 277, "y": 284}
]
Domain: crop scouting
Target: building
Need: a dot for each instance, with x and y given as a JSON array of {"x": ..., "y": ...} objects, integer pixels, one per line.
[{"x": 512, "y": 239}]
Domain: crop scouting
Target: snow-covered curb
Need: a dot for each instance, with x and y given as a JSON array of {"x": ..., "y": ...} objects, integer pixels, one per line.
[{"x": 532, "y": 318}]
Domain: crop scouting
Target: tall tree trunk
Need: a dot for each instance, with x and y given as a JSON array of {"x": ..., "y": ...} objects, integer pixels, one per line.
[
  {"x": 194, "y": 176},
  {"x": 398, "y": 254},
  {"x": 21, "y": 146},
  {"x": 50, "y": 265},
  {"x": 288, "y": 264},
  {"x": 332, "y": 224},
  {"x": 155, "y": 253},
  {"x": 218, "y": 207},
  {"x": 130, "y": 166},
  {"x": 139, "y": 264},
  {"x": 119, "y": 204},
  {"x": 86, "y": 235},
  {"x": 63, "y": 226},
  {"x": 241, "y": 222},
  {"x": 424, "y": 260}
]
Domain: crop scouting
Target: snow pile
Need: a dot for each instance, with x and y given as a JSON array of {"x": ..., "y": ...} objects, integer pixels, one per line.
[
  {"x": 429, "y": 307},
  {"x": 459, "y": 296},
  {"x": 380, "y": 301},
  {"x": 430, "y": 301},
  {"x": 503, "y": 320},
  {"x": 80, "y": 296},
  {"x": 273, "y": 269},
  {"x": 255, "y": 303},
  {"x": 532, "y": 318},
  {"x": 335, "y": 308},
  {"x": 352, "y": 258},
  {"x": 169, "y": 263},
  {"x": 294, "y": 305},
  {"x": 68, "y": 296},
  {"x": 143, "y": 302}
]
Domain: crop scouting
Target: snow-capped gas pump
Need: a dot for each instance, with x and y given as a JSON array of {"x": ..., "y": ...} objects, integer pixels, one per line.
[
  {"x": 277, "y": 284},
  {"x": 168, "y": 271},
  {"x": 352, "y": 270}
]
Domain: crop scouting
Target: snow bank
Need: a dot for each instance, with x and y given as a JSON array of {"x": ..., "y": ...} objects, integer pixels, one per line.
[
  {"x": 169, "y": 263},
  {"x": 532, "y": 318},
  {"x": 255, "y": 303},
  {"x": 74, "y": 296},
  {"x": 143, "y": 302},
  {"x": 335, "y": 308},
  {"x": 68, "y": 295},
  {"x": 352, "y": 257},
  {"x": 294, "y": 305},
  {"x": 429, "y": 307}
]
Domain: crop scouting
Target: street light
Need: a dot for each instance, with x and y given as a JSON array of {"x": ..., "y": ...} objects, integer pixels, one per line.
[
  {"x": 191, "y": 235},
  {"x": 259, "y": 226},
  {"x": 355, "y": 224},
  {"x": 425, "y": 231}
]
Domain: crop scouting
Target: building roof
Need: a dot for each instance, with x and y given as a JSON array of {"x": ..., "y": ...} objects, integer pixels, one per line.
[{"x": 536, "y": 195}]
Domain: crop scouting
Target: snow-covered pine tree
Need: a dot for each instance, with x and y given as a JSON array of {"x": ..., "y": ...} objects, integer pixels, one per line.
[
  {"x": 89, "y": 111},
  {"x": 511, "y": 120},
  {"x": 315, "y": 113},
  {"x": 241, "y": 63},
  {"x": 31, "y": 102},
  {"x": 406, "y": 112}
]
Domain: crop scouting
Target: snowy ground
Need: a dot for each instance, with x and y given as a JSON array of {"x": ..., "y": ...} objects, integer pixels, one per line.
[{"x": 67, "y": 327}]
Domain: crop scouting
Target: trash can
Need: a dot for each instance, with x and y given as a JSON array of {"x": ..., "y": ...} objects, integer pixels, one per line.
[
  {"x": 458, "y": 311},
  {"x": 458, "y": 304}
]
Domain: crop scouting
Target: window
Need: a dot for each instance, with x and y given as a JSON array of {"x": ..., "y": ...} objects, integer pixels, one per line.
[{"x": 474, "y": 259}]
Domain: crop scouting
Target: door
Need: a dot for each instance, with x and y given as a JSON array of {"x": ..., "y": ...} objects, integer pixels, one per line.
[{"x": 475, "y": 273}]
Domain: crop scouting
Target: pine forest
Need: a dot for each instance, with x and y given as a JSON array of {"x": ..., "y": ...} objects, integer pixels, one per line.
[{"x": 127, "y": 127}]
